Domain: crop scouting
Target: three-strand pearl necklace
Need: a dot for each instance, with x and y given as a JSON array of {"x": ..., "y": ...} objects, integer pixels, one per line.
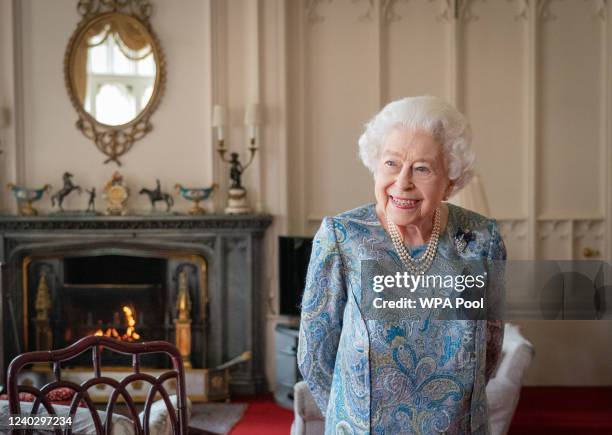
[{"x": 416, "y": 266}]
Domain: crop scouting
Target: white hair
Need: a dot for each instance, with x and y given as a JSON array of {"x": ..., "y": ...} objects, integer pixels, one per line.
[{"x": 433, "y": 115}]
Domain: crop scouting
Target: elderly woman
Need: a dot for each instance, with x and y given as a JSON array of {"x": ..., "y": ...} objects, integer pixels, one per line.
[{"x": 409, "y": 376}]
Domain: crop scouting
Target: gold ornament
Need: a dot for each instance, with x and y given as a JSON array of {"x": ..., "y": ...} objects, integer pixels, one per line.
[{"x": 116, "y": 195}]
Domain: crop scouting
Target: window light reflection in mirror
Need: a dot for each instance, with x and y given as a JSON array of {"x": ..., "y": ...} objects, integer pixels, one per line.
[{"x": 119, "y": 79}]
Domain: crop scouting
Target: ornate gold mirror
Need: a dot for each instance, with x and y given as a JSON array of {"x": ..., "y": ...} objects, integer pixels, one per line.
[{"x": 115, "y": 73}]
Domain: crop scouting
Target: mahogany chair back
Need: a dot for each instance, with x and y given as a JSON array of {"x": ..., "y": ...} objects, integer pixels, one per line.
[{"x": 178, "y": 418}]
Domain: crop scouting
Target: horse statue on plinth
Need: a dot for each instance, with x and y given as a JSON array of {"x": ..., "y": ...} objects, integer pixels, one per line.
[
  {"x": 68, "y": 188},
  {"x": 156, "y": 195}
]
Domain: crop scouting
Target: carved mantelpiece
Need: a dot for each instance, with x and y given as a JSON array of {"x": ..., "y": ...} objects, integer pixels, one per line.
[
  {"x": 144, "y": 222},
  {"x": 231, "y": 248}
]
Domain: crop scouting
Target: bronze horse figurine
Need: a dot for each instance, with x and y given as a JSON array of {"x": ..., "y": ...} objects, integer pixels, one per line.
[
  {"x": 65, "y": 191},
  {"x": 156, "y": 195}
]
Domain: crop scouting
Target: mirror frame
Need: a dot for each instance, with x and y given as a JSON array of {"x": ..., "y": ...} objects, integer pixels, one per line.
[{"x": 115, "y": 140}]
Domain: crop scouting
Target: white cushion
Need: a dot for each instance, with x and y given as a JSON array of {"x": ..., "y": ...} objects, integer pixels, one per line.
[
  {"x": 159, "y": 419},
  {"x": 82, "y": 423},
  {"x": 304, "y": 404},
  {"x": 503, "y": 390}
]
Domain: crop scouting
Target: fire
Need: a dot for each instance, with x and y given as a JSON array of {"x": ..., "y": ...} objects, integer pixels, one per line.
[
  {"x": 131, "y": 321},
  {"x": 130, "y": 332}
]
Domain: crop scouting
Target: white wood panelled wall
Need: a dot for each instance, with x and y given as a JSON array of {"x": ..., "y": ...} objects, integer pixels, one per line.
[{"x": 533, "y": 77}]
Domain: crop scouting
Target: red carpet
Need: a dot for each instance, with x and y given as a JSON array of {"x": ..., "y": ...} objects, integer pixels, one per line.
[
  {"x": 263, "y": 416},
  {"x": 541, "y": 411},
  {"x": 563, "y": 411}
]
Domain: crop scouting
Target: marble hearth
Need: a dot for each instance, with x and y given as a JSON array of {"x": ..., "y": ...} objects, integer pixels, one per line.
[{"x": 144, "y": 261}]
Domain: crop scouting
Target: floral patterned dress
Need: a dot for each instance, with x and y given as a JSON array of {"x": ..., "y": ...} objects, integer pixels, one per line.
[{"x": 416, "y": 375}]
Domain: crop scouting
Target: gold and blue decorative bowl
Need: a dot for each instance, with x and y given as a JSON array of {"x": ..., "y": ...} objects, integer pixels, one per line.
[
  {"x": 196, "y": 195},
  {"x": 25, "y": 197}
]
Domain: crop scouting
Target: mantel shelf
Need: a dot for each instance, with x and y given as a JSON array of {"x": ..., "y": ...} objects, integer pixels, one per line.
[{"x": 134, "y": 222}]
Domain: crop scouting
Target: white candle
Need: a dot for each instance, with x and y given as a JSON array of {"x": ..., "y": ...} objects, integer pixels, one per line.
[
  {"x": 252, "y": 131},
  {"x": 218, "y": 120},
  {"x": 220, "y": 135},
  {"x": 252, "y": 118}
]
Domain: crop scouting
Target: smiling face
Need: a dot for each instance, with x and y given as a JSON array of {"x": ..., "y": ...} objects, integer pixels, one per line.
[{"x": 411, "y": 178}]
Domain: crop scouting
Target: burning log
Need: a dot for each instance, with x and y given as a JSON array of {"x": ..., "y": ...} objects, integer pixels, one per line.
[{"x": 130, "y": 333}]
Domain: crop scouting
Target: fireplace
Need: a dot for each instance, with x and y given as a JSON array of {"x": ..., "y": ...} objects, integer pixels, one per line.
[
  {"x": 120, "y": 296},
  {"x": 193, "y": 281},
  {"x": 131, "y": 296}
]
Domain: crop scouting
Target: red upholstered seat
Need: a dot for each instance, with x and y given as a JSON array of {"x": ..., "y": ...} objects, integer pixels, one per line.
[{"x": 57, "y": 396}]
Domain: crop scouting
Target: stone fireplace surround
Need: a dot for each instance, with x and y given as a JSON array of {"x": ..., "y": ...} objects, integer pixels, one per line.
[{"x": 231, "y": 248}]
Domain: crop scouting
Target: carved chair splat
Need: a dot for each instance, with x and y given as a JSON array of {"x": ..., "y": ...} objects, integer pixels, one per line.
[{"x": 178, "y": 418}]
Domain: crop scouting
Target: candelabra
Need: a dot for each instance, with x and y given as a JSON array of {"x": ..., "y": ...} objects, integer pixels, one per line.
[{"x": 237, "y": 194}]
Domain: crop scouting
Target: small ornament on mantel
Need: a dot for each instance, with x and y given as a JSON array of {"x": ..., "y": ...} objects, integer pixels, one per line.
[
  {"x": 116, "y": 194},
  {"x": 195, "y": 195},
  {"x": 25, "y": 197},
  {"x": 66, "y": 190},
  {"x": 156, "y": 195},
  {"x": 91, "y": 203},
  {"x": 237, "y": 194}
]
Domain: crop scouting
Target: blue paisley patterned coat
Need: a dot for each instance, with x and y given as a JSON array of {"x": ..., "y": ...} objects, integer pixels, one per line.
[{"x": 411, "y": 377}]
